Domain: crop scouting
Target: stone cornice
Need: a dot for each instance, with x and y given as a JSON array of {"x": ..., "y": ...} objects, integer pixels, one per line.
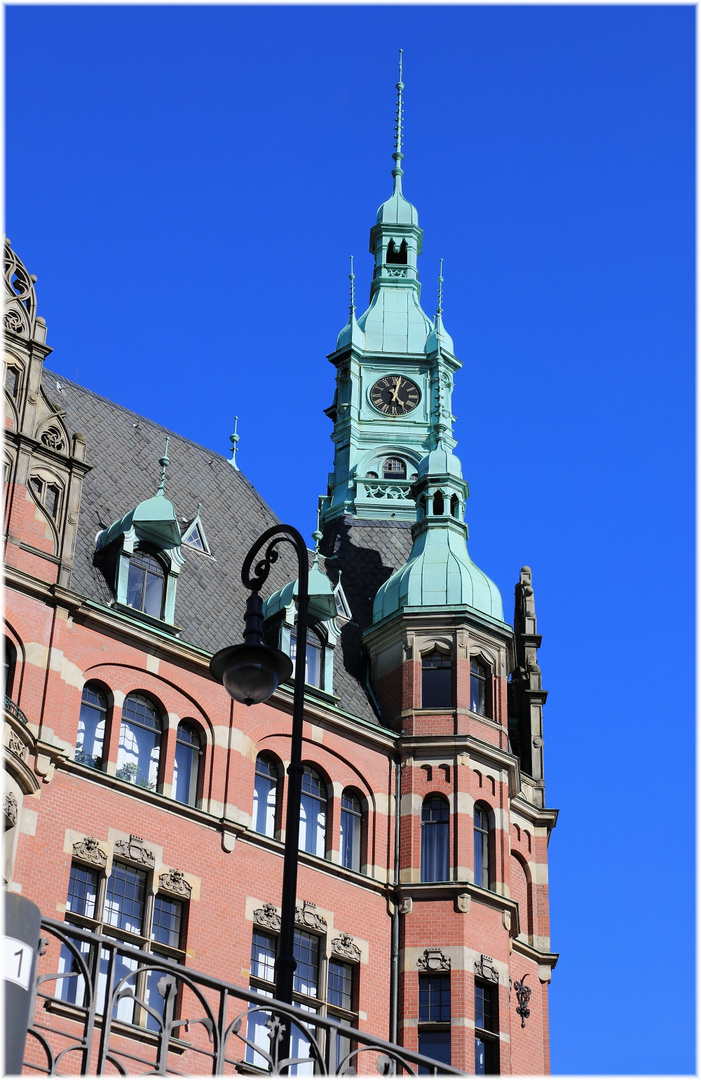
[
  {"x": 548, "y": 959},
  {"x": 461, "y": 744},
  {"x": 544, "y": 816}
]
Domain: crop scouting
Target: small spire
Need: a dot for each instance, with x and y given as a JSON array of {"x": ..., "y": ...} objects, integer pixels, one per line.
[
  {"x": 439, "y": 309},
  {"x": 397, "y": 171},
  {"x": 234, "y": 445},
  {"x": 317, "y": 535},
  {"x": 352, "y": 289},
  {"x": 164, "y": 462}
]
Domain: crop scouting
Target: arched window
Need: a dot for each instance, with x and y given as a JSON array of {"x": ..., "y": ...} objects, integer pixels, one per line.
[
  {"x": 146, "y": 584},
  {"x": 435, "y": 826},
  {"x": 312, "y": 816},
  {"x": 265, "y": 795},
  {"x": 91, "y": 727},
  {"x": 397, "y": 255},
  {"x": 393, "y": 468},
  {"x": 187, "y": 763},
  {"x": 438, "y": 503},
  {"x": 139, "y": 742},
  {"x": 10, "y": 664},
  {"x": 351, "y": 830},
  {"x": 482, "y": 868},
  {"x": 314, "y": 675},
  {"x": 436, "y": 681},
  {"x": 479, "y": 687}
]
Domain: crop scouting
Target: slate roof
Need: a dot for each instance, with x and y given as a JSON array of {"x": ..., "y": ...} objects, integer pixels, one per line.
[{"x": 123, "y": 449}]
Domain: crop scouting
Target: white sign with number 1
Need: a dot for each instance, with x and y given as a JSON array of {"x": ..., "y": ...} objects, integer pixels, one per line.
[{"x": 17, "y": 961}]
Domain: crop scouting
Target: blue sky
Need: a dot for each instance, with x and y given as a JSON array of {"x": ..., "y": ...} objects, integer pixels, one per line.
[{"x": 188, "y": 182}]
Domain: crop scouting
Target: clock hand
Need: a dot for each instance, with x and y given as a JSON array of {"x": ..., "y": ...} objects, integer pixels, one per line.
[{"x": 395, "y": 392}]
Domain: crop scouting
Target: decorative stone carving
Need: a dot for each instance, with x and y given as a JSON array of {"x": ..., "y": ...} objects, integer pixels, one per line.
[
  {"x": 9, "y": 805},
  {"x": 406, "y": 905},
  {"x": 306, "y": 915},
  {"x": 433, "y": 960},
  {"x": 484, "y": 969},
  {"x": 345, "y": 946},
  {"x": 173, "y": 881},
  {"x": 13, "y": 321},
  {"x": 267, "y": 916},
  {"x": 462, "y": 902},
  {"x": 88, "y": 850},
  {"x": 16, "y": 746},
  {"x": 133, "y": 849},
  {"x": 506, "y": 919},
  {"x": 53, "y": 438}
]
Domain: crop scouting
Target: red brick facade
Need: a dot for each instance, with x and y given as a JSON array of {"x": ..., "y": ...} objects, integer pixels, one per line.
[{"x": 478, "y": 936}]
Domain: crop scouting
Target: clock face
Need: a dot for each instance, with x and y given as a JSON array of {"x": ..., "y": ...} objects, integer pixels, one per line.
[{"x": 394, "y": 395}]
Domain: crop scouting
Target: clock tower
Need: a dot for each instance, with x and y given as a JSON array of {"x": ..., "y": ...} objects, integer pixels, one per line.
[{"x": 395, "y": 370}]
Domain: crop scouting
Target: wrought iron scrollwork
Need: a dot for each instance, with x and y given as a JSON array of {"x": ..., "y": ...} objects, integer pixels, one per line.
[
  {"x": 523, "y": 994},
  {"x": 262, "y": 568}
]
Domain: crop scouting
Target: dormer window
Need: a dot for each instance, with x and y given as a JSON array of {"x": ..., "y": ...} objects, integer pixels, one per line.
[
  {"x": 314, "y": 675},
  {"x": 393, "y": 469},
  {"x": 146, "y": 584}
]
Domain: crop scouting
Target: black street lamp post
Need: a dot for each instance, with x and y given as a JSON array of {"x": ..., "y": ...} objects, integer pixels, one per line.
[{"x": 250, "y": 673}]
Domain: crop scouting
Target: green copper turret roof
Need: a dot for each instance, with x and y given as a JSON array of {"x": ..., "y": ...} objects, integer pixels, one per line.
[{"x": 439, "y": 571}]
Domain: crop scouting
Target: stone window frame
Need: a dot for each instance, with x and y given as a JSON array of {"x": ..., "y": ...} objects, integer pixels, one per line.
[
  {"x": 41, "y": 481},
  {"x": 443, "y": 650},
  {"x": 487, "y": 1036},
  {"x": 340, "y": 951},
  {"x": 99, "y": 859}
]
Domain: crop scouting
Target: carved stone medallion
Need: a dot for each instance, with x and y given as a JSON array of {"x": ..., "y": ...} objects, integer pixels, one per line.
[
  {"x": 88, "y": 850},
  {"x": 267, "y": 916},
  {"x": 434, "y": 960},
  {"x": 484, "y": 968},
  {"x": 306, "y": 915},
  {"x": 133, "y": 849},
  {"x": 173, "y": 881},
  {"x": 345, "y": 946}
]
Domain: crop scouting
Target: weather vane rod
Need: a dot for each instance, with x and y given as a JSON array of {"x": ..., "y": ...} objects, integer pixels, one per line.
[{"x": 397, "y": 171}]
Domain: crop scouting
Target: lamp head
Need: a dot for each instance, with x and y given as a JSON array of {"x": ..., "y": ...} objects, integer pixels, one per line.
[{"x": 250, "y": 673}]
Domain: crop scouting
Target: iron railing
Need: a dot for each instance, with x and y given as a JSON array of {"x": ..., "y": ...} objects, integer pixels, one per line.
[
  {"x": 104, "y": 1006},
  {"x": 14, "y": 710}
]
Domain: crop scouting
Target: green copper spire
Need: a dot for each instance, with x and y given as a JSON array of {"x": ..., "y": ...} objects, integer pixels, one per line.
[
  {"x": 397, "y": 171},
  {"x": 395, "y": 369}
]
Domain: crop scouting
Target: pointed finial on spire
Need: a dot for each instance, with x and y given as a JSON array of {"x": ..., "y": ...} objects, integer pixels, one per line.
[
  {"x": 164, "y": 462},
  {"x": 397, "y": 171},
  {"x": 352, "y": 289},
  {"x": 234, "y": 445},
  {"x": 439, "y": 309}
]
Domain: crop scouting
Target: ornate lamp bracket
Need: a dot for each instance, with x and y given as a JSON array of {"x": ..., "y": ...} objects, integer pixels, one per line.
[{"x": 523, "y": 993}]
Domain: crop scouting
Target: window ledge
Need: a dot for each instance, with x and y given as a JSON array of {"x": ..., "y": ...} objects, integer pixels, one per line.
[
  {"x": 314, "y": 691},
  {"x": 142, "y": 616}
]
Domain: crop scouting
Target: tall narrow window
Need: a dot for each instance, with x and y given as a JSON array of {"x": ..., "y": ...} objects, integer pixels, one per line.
[
  {"x": 481, "y": 847},
  {"x": 434, "y": 1017},
  {"x": 340, "y": 999},
  {"x": 265, "y": 795},
  {"x": 187, "y": 763},
  {"x": 479, "y": 695},
  {"x": 91, "y": 727},
  {"x": 166, "y": 931},
  {"x": 436, "y": 681},
  {"x": 312, "y": 818},
  {"x": 146, "y": 584},
  {"x": 10, "y": 665},
  {"x": 139, "y": 742},
  {"x": 12, "y": 381},
  {"x": 486, "y": 1029},
  {"x": 81, "y": 903},
  {"x": 435, "y": 826},
  {"x": 314, "y": 675},
  {"x": 351, "y": 830}
]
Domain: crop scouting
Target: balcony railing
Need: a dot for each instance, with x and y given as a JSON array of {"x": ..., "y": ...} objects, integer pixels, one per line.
[
  {"x": 105, "y": 1007},
  {"x": 14, "y": 710},
  {"x": 370, "y": 488}
]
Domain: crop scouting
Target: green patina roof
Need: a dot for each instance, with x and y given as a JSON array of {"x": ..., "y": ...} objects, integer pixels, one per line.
[
  {"x": 439, "y": 571},
  {"x": 322, "y": 602}
]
